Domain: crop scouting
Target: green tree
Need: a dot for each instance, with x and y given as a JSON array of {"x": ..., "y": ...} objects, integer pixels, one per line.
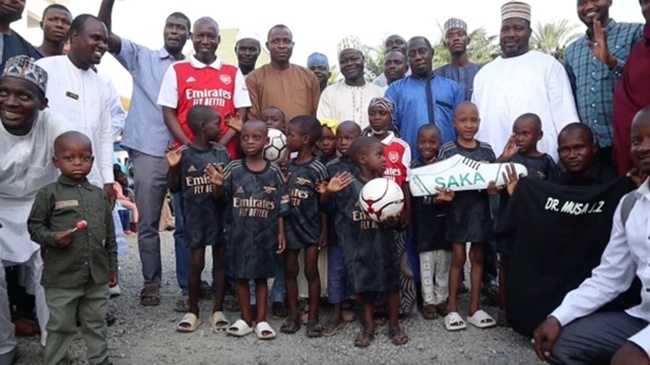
[
  {"x": 374, "y": 61},
  {"x": 552, "y": 38},
  {"x": 482, "y": 48}
]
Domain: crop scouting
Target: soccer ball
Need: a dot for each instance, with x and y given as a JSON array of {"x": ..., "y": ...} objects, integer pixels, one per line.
[
  {"x": 276, "y": 148},
  {"x": 381, "y": 198}
]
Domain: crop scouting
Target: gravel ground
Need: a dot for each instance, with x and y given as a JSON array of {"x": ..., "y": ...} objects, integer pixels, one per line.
[{"x": 146, "y": 335}]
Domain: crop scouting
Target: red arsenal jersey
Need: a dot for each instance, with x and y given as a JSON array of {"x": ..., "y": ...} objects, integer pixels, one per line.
[
  {"x": 205, "y": 86},
  {"x": 398, "y": 158}
]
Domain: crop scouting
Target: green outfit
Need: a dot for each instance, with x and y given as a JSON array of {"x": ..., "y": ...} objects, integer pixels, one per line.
[{"x": 75, "y": 278}]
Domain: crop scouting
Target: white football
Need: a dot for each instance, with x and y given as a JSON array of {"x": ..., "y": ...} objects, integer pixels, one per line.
[
  {"x": 276, "y": 148},
  {"x": 381, "y": 198}
]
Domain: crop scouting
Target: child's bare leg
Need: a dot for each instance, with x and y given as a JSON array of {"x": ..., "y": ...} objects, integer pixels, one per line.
[
  {"x": 476, "y": 275},
  {"x": 392, "y": 301},
  {"x": 291, "y": 269},
  {"x": 367, "y": 310},
  {"x": 313, "y": 279},
  {"x": 244, "y": 299},
  {"x": 219, "y": 277},
  {"x": 194, "y": 279},
  {"x": 261, "y": 296},
  {"x": 455, "y": 269}
]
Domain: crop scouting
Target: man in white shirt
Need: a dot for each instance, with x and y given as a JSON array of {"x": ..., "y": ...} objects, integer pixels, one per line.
[
  {"x": 522, "y": 81},
  {"x": 27, "y": 135},
  {"x": 81, "y": 96},
  {"x": 573, "y": 333}
]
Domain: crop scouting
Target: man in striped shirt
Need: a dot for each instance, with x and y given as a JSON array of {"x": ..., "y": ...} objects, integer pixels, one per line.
[
  {"x": 594, "y": 64},
  {"x": 146, "y": 137}
]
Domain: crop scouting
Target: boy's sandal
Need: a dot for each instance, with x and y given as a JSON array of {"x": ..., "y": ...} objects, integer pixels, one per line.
[
  {"x": 239, "y": 329},
  {"x": 219, "y": 321},
  {"x": 364, "y": 338},
  {"x": 397, "y": 336},
  {"x": 264, "y": 331},
  {"x": 189, "y": 323},
  {"x": 279, "y": 310},
  {"x": 454, "y": 322},
  {"x": 442, "y": 309},
  {"x": 332, "y": 328},
  {"x": 480, "y": 319},
  {"x": 314, "y": 330},
  {"x": 149, "y": 296},
  {"x": 429, "y": 311},
  {"x": 290, "y": 326}
]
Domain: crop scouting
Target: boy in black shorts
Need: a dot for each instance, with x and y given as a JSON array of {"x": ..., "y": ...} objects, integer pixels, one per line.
[
  {"x": 304, "y": 226},
  {"x": 369, "y": 250},
  {"x": 202, "y": 214}
]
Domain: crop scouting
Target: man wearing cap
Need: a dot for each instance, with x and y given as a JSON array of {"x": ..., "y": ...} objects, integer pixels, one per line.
[
  {"x": 320, "y": 66},
  {"x": 594, "y": 64},
  {"x": 247, "y": 49},
  {"x": 27, "y": 129},
  {"x": 349, "y": 98},
  {"x": 522, "y": 81},
  {"x": 460, "y": 69},
  {"x": 292, "y": 88},
  {"x": 394, "y": 42}
]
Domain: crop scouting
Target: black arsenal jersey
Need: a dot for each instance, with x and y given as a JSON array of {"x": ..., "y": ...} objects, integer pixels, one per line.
[{"x": 428, "y": 220}]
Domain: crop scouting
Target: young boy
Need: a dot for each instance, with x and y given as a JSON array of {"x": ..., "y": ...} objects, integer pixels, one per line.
[
  {"x": 397, "y": 154},
  {"x": 253, "y": 188},
  {"x": 274, "y": 118},
  {"x": 203, "y": 216},
  {"x": 368, "y": 247},
  {"x": 428, "y": 222},
  {"x": 337, "y": 293},
  {"x": 304, "y": 225},
  {"x": 80, "y": 261}
]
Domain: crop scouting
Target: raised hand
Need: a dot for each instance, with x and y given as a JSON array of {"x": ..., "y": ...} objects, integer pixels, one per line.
[
  {"x": 321, "y": 186},
  {"x": 510, "y": 148},
  {"x": 444, "y": 195},
  {"x": 173, "y": 156},
  {"x": 599, "y": 46},
  {"x": 339, "y": 182},
  {"x": 510, "y": 177},
  {"x": 215, "y": 174},
  {"x": 234, "y": 122}
]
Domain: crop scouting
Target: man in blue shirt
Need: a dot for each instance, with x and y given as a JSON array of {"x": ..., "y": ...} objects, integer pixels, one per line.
[
  {"x": 422, "y": 97},
  {"x": 11, "y": 43},
  {"x": 145, "y": 138},
  {"x": 594, "y": 64}
]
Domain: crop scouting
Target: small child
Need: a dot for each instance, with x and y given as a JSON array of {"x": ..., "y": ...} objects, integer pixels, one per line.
[
  {"x": 274, "y": 118},
  {"x": 428, "y": 220},
  {"x": 304, "y": 226},
  {"x": 369, "y": 250},
  {"x": 398, "y": 161},
  {"x": 327, "y": 143},
  {"x": 469, "y": 220},
  {"x": 337, "y": 292},
  {"x": 124, "y": 198},
  {"x": 253, "y": 188},
  {"x": 203, "y": 216},
  {"x": 80, "y": 262},
  {"x": 522, "y": 148}
]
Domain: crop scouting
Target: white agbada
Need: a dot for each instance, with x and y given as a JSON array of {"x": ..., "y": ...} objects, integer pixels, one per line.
[
  {"x": 82, "y": 97},
  {"x": 534, "y": 82},
  {"x": 344, "y": 102},
  {"x": 25, "y": 167}
]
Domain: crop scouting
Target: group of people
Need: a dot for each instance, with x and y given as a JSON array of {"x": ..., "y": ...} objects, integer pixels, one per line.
[{"x": 197, "y": 127}]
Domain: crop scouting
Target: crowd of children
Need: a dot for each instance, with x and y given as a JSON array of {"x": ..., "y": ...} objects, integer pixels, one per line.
[{"x": 258, "y": 216}]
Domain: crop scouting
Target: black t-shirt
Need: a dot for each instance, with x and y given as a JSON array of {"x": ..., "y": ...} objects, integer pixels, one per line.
[
  {"x": 542, "y": 167},
  {"x": 202, "y": 215},
  {"x": 15, "y": 45},
  {"x": 339, "y": 164},
  {"x": 428, "y": 221},
  {"x": 369, "y": 249},
  {"x": 558, "y": 236},
  {"x": 256, "y": 201},
  {"x": 303, "y": 224},
  {"x": 598, "y": 174}
]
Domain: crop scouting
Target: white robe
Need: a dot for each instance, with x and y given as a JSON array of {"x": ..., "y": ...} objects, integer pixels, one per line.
[
  {"x": 343, "y": 102},
  {"x": 534, "y": 82}
]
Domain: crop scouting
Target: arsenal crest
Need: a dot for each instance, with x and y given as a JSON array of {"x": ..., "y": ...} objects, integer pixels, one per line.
[
  {"x": 226, "y": 79},
  {"x": 393, "y": 156}
]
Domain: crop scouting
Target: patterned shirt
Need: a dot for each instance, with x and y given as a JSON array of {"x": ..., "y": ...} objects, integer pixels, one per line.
[
  {"x": 593, "y": 82},
  {"x": 464, "y": 76},
  {"x": 303, "y": 224}
]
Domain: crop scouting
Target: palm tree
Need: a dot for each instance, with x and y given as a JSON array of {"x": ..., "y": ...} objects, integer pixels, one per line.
[
  {"x": 374, "y": 61},
  {"x": 552, "y": 38},
  {"x": 482, "y": 48}
]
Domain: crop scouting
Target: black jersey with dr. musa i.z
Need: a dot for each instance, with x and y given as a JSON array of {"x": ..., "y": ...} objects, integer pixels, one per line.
[
  {"x": 256, "y": 200},
  {"x": 303, "y": 223},
  {"x": 203, "y": 216}
]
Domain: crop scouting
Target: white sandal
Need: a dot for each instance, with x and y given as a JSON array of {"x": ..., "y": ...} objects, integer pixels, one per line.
[
  {"x": 239, "y": 329},
  {"x": 454, "y": 322},
  {"x": 481, "y": 319},
  {"x": 263, "y": 327}
]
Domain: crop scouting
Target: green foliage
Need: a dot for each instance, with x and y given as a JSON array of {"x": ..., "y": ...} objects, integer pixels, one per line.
[{"x": 553, "y": 38}]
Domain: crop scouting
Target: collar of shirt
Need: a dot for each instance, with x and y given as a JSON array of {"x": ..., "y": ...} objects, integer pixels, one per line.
[
  {"x": 389, "y": 138},
  {"x": 198, "y": 64},
  {"x": 163, "y": 54},
  {"x": 611, "y": 24},
  {"x": 597, "y": 175},
  {"x": 67, "y": 181},
  {"x": 416, "y": 77},
  {"x": 644, "y": 190}
]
